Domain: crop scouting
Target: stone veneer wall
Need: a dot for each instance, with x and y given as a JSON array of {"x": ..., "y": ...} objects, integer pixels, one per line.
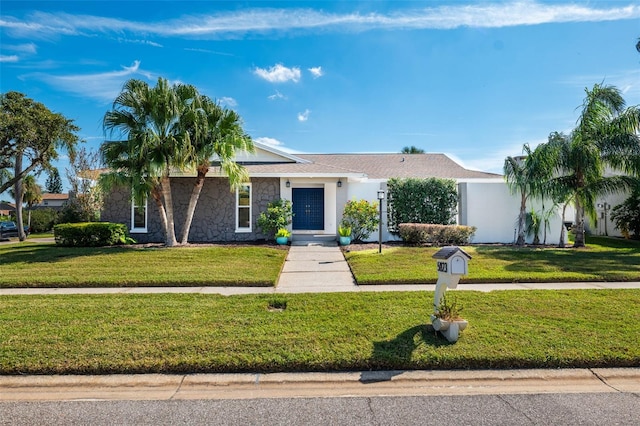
[{"x": 215, "y": 216}]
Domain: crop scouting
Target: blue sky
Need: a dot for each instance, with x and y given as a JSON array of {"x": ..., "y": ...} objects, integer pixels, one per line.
[{"x": 473, "y": 79}]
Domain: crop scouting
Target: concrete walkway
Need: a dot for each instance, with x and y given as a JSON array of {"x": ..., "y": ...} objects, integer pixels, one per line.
[{"x": 313, "y": 267}]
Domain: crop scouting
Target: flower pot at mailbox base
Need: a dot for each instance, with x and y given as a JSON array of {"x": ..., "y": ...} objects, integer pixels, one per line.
[{"x": 449, "y": 329}]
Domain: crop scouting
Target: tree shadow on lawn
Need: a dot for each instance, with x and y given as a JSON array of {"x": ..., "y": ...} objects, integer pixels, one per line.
[
  {"x": 394, "y": 356},
  {"x": 612, "y": 263}
]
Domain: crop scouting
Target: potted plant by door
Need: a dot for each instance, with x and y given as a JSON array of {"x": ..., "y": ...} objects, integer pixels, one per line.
[
  {"x": 282, "y": 236},
  {"x": 345, "y": 235}
]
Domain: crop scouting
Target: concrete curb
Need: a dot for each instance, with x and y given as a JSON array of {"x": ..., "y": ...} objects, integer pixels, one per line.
[{"x": 336, "y": 384}]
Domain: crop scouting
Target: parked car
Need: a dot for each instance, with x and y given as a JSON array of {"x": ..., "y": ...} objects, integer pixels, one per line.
[{"x": 10, "y": 229}]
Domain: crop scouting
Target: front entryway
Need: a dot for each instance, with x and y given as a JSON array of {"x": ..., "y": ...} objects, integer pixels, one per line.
[{"x": 308, "y": 209}]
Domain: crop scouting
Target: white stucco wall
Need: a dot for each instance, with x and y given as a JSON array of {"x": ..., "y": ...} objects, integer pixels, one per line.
[
  {"x": 490, "y": 207},
  {"x": 364, "y": 190}
]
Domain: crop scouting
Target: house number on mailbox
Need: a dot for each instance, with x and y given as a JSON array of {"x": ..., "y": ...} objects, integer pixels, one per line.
[{"x": 442, "y": 266}]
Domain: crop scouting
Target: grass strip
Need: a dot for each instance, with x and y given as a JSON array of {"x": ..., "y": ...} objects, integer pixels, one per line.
[
  {"x": 605, "y": 259},
  {"x": 46, "y": 265},
  {"x": 188, "y": 333}
]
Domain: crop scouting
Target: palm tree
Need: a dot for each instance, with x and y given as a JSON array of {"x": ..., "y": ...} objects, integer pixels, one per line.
[
  {"x": 527, "y": 175},
  {"x": 156, "y": 141},
  {"x": 32, "y": 194},
  {"x": 215, "y": 133},
  {"x": 605, "y": 137}
]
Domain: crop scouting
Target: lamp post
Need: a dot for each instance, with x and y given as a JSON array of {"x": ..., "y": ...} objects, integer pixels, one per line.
[{"x": 380, "y": 198}]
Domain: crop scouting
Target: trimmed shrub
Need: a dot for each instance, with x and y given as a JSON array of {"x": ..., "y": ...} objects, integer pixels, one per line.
[
  {"x": 362, "y": 217},
  {"x": 277, "y": 216},
  {"x": 439, "y": 235},
  {"x": 42, "y": 220},
  {"x": 414, "y": 200},
  {"x": 91, "y": 234}
]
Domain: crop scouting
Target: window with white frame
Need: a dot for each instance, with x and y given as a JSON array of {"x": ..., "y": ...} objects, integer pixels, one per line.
[
  {"x": 139, "y": 216},
  {"x": 243, "y": 208}
]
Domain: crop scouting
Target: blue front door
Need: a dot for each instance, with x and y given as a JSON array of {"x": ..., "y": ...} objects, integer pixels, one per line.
[{"x": 308, "y": 208}]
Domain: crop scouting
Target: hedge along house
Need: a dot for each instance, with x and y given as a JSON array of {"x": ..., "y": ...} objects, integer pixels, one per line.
[{"x": 319, "y": 186}]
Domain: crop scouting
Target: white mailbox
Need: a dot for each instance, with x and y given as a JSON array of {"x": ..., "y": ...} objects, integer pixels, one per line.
[
  {"x": 452, "y": 260},
  {"x": 452, "y": 264}
]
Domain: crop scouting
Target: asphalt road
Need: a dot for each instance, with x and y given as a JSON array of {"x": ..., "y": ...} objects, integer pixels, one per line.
[{"x": 515, "y": 409}]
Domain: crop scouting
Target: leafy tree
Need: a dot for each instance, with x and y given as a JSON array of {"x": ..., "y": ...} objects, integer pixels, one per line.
[
  {"x": 86, "y": 200},
  {"x": 53, "y": 185},
  {"x": 278, "y": 215},
  {"x": 626, "y": 216},
  {"x": 30, "y": 136},
  {"x": 527, "y": 175},
  {"x": 215, "y": 133},
  {"x": 42, "y": 220},
  {"x": 605, "y": 137},
  {"x": 362, "y": 217},
  {"x": 413, "y": 200},
  {"x": 154, "y": 124},
  {"x": 412, "y": 150}
]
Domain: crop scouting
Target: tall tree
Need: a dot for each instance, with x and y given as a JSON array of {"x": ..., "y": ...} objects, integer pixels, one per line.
[
  {"x": 53, "y": 185},
  {"x": 85, "y": 200},
  {"x": 32, "y": 194},
  {"x": 527, "y": 175},
  {"x": 156, "y": 141},
  {"x": 606, "y": 136},
  {"x": 412, "y": 150},
  {"x": 217, "y": 134},
  {"x": 30, "y": 137}
]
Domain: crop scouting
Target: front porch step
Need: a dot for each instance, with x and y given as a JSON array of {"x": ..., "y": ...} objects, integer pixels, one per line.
[{"x": 314, "y": 239}]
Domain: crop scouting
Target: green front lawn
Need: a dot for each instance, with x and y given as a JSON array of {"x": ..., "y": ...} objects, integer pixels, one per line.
[
  {"x": 179, "y": 333},
  {"x": 45, "y": 265},
  {"x": 605, "y": 259}
]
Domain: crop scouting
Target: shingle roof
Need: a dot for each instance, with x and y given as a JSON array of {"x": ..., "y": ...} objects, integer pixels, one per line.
[
  {"x": 374, "y": 166},
  {"x": 50, "y": 196}
]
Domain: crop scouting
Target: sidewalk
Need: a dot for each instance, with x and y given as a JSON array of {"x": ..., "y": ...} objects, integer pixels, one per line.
[
  {"x": 309, "y": 287},
  {"x": 338, "y": 384}
]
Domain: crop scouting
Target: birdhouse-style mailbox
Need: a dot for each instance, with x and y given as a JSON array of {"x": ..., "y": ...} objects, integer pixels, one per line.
[
  {"x": 452, "y": 264},
  {"x": 452, "y": 260}
]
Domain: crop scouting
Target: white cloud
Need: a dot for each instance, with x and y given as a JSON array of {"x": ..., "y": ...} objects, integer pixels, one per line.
[
  {"x": 213, "y": 52},
  {"x": 278, "y": 74},
  {"x": 22, "y": 48},
  {"x": 269, "y": 141},
  {"x": 304, "y": 116},
  {"x": 136, "y": 41},
  {"x": 269, "y": 20},
  {"x": 230, "y": 102},
  {"x": 101, "y": 86},
  {"x": 316, "y": 72},
  {"x": 8, "y": 58},
  {"x": 277, "y": 95}
]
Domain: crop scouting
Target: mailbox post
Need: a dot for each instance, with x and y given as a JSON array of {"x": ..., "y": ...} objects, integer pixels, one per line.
[{"x": 452, "y": 263}]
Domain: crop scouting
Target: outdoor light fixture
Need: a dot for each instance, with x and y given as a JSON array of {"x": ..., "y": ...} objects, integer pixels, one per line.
[
  {"x": 380, "y": 197},
  {"x": 339, "y": 183},
  {"x": 288, "y": 184}
]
